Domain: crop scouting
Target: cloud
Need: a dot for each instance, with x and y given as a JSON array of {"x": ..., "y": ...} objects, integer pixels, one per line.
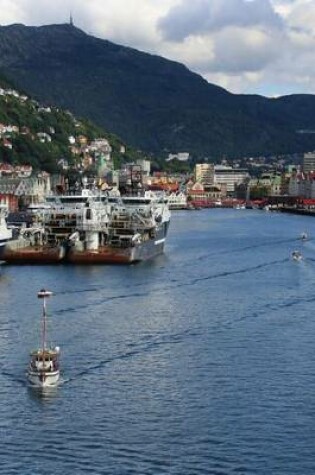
[
  {"x": 239, "y": 50},
  {"x": 205, "y": 16},
  {"x": 33, "y": 13},
  {"x": 195, "y": 51},
  {"x": 11, "y": 12},
  {"x": 301, "y": 16}
]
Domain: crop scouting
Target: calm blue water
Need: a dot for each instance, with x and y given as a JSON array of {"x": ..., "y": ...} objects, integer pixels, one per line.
[{"x": 200, "y": 362}]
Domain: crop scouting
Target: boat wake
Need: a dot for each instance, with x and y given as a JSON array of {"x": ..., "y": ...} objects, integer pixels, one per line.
[
  {"x": 268, "y": 309},
  {"x": 246, "y": 248},
  {"x": 144, "y": 345},
  {"x": 172, "y": 283},
  {"x": 232, "y": 272},
  {"x": 79, "y": 291}
]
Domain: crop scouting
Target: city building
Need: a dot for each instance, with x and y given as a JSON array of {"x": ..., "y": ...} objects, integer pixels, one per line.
[
  {"x": 309, "y": 162},
  {"x": 201, "y": 195},
  {"x": 181, "y": 156},
  {"x": 273, "y": 182},
  {"x": 145, "y": 166},
  {"x": 302, "y": 185},
  {"x": 204, "y": 173},
  {"x": 230, "y": 177}
]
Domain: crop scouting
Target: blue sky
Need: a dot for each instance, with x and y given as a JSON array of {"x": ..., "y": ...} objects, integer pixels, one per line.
[{"x": 246, "y": 46}]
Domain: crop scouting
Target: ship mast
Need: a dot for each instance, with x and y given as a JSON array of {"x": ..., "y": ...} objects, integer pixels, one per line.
[
  {"x": 43, "y": 294},
  {"x": 44, "y": 325}
]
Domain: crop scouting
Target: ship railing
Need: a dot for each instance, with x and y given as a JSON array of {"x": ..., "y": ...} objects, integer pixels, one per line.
[
  {"x": 92, "y": 226},
  {"x": 61, "y": 223},
  {"x": 121, "y": 242},
  {"x": 130, "y": 221},
  {"x": 123, "y": 228}
]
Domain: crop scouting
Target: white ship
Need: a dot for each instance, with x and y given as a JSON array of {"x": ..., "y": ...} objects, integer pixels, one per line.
[
  {"x": 5, "y": 233},
  {"x": 94, "y": 228},
  {"x": 135, "y": 231}
]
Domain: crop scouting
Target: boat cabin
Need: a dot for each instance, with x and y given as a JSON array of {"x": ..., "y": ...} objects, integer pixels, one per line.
[{"x": 45, "y": 360}]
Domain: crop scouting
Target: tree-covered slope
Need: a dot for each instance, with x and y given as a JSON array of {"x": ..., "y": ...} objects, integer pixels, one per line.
[{"x": 41, "y": 136}]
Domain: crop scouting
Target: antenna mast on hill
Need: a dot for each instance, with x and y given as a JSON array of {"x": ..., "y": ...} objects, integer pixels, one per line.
[{"x": 71, "y": 19}]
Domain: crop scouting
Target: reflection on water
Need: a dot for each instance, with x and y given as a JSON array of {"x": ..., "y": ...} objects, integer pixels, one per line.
[{"x": 44, "y": 395}]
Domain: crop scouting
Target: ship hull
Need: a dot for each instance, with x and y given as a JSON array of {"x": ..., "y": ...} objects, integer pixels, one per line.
[
  {"x": 33, "y": 254},
  {"x": 4, "y": 239},
  {"x": 2, "y": 248},
  {"x": 117, "y": 255},
  {"x": 111, "y": 255},
  {"x": 43, "y": 379}
]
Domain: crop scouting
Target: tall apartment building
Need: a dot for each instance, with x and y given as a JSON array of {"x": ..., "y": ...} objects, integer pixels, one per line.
[
  {"x": 309, "y": 162},
  {"x": 145, "y": 166},
  {"x": 230, "y": 177},
  {"x": 204, "y": 173}
]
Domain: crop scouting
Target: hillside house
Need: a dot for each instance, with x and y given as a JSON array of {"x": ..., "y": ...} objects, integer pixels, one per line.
[
  {"x": 6, "y": 169},
  {"x": 6, "y": 143},
  {"x": 82, "y": 140},
  {"x": 44, "y": 137},
  {"x": 25, "y": 130},
  {"x": 23, "y": 171}
]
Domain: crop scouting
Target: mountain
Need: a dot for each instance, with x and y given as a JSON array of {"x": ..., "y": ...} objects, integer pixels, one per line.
[{"x": 152, "y": 103}]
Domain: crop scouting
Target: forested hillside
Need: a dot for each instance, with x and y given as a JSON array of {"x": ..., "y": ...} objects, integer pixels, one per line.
[{"x": 37, "y": 135}]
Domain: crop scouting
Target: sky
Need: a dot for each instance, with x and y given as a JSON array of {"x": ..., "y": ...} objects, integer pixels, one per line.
[{"x": 262, "y": 47}]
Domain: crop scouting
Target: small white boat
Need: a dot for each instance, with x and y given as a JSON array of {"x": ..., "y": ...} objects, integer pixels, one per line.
[
  {"x": 304, "y": 236},
  {"x": 296, "y": 256},
  {"x": 43, "y": 370}
]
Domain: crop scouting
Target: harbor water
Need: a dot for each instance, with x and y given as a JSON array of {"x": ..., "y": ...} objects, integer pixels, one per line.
[{"x": 199, "y": 362}]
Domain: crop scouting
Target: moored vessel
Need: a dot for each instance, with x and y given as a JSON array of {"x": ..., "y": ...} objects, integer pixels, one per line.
[
  {"x": 93, "y": 228},
  {"x": 31, "y": 246},
  {"x": 43, "y": 370},
  {"x": 5, "y": 232},
  {"x": 136, "y": 231}
]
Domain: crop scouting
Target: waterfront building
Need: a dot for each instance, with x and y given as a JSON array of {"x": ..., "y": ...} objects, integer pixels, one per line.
[
  {"x": 230, "y": 177},
  {"x": 204, "y": 173},
  {"x": 302, "y": 185},
  {"x": 309, "y": 162},
  {"x": 177, "y": 200},
  {"x": 31, "y": 189},
  {"x": 204, "y": 195},
  {"x": 273, "y": 182}
]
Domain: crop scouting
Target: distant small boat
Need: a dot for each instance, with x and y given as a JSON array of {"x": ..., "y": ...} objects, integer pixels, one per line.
[
  {"x": 43, "y": 370},
  {"x": 304, "y": 236},
  {"x": 296, "y": 256},
  {"x": 239, "y": 206}
]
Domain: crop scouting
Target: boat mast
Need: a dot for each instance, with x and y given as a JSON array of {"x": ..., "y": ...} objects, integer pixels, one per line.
[
  {"x": 44, "y": 325},
  {"x": 43, "y": 294}
]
